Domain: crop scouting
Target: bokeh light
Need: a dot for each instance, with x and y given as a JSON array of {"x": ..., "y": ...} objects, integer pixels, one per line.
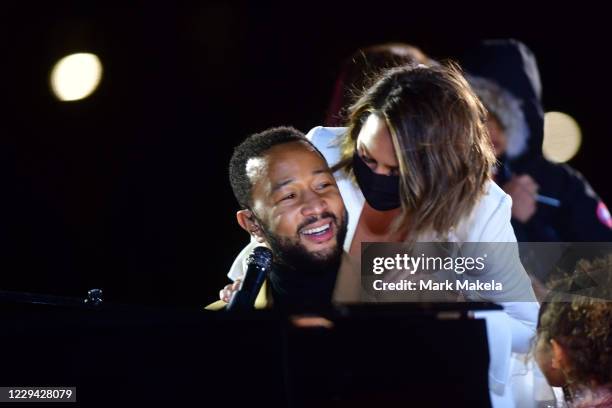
[
  {"x": 562, "y": 137},
  {"x": 76, "y": 76}
]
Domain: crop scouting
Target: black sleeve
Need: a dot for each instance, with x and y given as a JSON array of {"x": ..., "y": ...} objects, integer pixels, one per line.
[{"x": 586, "y": 216}]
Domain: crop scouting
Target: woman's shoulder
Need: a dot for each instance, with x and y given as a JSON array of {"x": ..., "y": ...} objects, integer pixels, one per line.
[
  {"x": 327, "y": 140},
  {"x": 493, "y": 198},
  {"x": 490, "y": 218}
]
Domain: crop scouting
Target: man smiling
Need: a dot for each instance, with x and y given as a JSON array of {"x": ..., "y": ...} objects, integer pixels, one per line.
[{"x": 290, "y": 202}]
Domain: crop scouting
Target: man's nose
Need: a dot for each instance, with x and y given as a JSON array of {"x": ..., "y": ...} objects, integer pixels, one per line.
[{"x": 313, "y": 204}]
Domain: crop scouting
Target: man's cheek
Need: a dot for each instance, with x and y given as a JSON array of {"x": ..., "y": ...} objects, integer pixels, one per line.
[
  {"x": 339, "y": 207},
  {"x": 284, "y": 223}
]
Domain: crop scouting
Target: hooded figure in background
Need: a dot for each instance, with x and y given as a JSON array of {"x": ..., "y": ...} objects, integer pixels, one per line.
[{"x": 551, "y": 202}]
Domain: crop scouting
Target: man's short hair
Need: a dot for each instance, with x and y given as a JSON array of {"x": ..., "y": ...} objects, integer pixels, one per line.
[{"x": 255, "y": 146}]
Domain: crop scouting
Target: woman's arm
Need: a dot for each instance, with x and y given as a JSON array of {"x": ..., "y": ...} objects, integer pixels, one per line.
[{"x": 496, "y": 238}]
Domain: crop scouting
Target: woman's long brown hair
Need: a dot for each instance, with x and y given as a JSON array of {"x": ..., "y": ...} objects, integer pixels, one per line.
[{"x": 439, "y": 134}]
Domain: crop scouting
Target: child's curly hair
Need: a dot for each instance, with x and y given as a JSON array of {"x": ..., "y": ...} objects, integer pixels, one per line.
[{"x": 582, "y": 322}]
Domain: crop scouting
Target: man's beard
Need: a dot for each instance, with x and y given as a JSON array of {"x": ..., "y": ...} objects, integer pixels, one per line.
[{"x": 293, "y": 255}]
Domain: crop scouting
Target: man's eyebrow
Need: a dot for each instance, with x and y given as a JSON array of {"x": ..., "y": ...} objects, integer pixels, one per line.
[
  {"x": 281, "y": 184},
  {"x": 322, "y": 170}
]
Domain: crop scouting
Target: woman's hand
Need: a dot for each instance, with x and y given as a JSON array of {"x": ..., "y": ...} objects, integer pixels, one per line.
[{"x": 228, "y": 291}]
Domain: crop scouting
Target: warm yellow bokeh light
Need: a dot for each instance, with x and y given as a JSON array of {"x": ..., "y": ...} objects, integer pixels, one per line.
[
  {"x": 562, "y": 137},
  {"x": 76, "y": 76}
]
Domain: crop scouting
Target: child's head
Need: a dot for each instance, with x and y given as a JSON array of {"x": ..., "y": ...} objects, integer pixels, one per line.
[{"x": 574, "y": 342}]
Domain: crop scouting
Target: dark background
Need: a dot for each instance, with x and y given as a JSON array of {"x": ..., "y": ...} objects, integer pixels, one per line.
[{"x": 127, "y": 190}]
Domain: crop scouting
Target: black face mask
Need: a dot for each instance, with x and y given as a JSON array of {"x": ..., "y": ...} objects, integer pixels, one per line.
[{"x": 381, "y": 192}]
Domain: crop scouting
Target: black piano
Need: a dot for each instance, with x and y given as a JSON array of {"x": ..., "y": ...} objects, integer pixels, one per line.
[{"x": 409, "y": 355}]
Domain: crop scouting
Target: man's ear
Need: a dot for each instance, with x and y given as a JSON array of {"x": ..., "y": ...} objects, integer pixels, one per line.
[{"x": 247, "y": 221}]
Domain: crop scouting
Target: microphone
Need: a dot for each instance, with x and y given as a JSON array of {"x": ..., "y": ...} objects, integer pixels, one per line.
[{"x": 258, "y": 265}]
